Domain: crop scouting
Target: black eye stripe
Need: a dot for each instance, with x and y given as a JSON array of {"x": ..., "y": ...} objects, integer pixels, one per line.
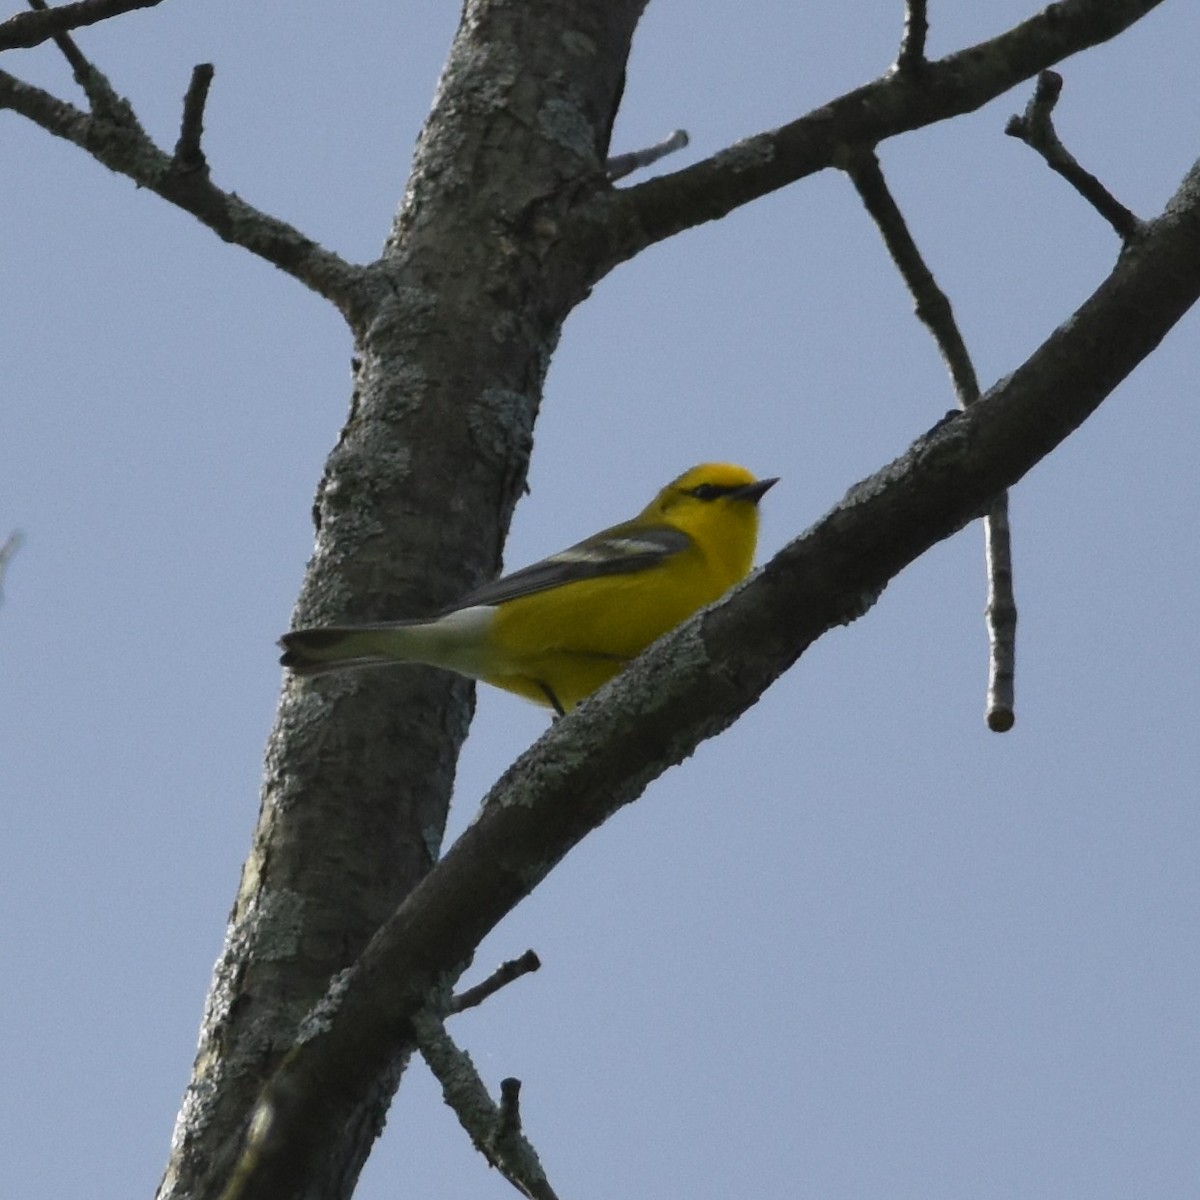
[{"x": 710, "y": 491}]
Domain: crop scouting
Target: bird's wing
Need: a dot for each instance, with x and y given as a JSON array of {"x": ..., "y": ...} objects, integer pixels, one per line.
[{"x": 622, "y": 550}]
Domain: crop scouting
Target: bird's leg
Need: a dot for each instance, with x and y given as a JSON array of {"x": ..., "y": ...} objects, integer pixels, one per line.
[{"x": 558, "y": 708}]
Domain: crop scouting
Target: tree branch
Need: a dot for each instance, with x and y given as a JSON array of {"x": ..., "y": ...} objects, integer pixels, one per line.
[
  {"x": 621, "y": 165},
  {"x": 501, "y": 977},
  {"x": 1036, "y": 129},
  {"x": 629, "y": 219},
  {"x": 495, "y": 1130},
  {"x": 188, "y": 154},
  {"x": 935, "y": 312},
  {"x": 912, "y": 45},
  {"x": 698, "y": 680},
  {"x": 112, "y": 135},
  {"x": 23, "y": 30}
]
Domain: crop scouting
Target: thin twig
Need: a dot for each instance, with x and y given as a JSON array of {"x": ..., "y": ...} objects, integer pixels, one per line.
[
  {"x": 502, "y": 976},
  {"x": 80, "y": 66},
  {"x": 494, "y": 1129},
  {"x": 1001, "y": 616},
  {"x": 1036, "y": 129},
  {"x": 621, "y": 165},
  {"x": 934, "y": 310},
  {"x": 912, "y": 44},
  {"x": 23, "y": 30},
  {"x": 188, "y": 154},
  {"x": 12, "y": 544}
]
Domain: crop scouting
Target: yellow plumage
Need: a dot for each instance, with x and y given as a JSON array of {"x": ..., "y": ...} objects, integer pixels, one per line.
[{"x": 555, "y": 631}]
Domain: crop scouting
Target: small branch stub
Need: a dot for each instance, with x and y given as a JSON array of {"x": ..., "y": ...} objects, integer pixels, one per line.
[
  {"x": 508, "y": 1119},
  {"x": 501, "y": 977},
  {"x": 188, "y": 155},
  {"x": 621, "y": 165},
  {"x": 912, "y": 44}
]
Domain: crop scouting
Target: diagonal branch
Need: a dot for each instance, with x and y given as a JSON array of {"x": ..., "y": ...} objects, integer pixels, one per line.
[
  {"x": 1035, "y": 127},
  {"x": 934, "y": 310},
  {"x": 631, "y": 219},
  {"x": 495, "y": 1129},
  {"x": 23, "y": 30},
  {"x": 698, "y": 680},
  {"x": 113, "y": 136}
]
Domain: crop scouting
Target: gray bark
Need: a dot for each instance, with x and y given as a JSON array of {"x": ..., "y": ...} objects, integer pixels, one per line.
[{"x": 453, "y": 339}]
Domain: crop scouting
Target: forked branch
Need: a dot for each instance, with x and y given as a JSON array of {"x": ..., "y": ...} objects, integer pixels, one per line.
[
  {"x": 112, "y": 135},
  {"x": 495, "y": 1129},
  {"x": 1035, "y": 127},
  {"x": 630, "y": 219}
]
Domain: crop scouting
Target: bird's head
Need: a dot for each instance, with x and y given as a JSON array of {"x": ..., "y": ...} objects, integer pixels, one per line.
[{"x": 719, "y": 487}]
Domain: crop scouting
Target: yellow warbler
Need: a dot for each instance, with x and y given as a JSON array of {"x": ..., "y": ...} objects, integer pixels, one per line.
[{"x": 555, "y": 631}]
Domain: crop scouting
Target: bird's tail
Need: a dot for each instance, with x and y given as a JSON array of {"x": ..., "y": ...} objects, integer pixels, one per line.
[
  {"x": 343, "y": 648},
  {"x": 456, "y": 641}
]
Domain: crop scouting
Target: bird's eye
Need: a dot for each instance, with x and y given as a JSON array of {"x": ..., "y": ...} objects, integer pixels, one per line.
[{"x": 708, "y": 491}]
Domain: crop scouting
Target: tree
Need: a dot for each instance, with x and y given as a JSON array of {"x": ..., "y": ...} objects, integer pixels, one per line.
[{"x": 525, "y": 233}]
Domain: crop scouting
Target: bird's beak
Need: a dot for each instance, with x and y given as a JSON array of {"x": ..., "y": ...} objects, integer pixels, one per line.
[{"x": 754, "y": 492}]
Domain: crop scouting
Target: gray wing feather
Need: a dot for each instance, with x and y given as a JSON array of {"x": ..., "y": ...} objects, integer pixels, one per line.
[{"x": 615, "y": 552}]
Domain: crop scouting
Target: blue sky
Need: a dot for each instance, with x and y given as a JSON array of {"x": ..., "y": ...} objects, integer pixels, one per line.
[{"x": 857, "y": 946}]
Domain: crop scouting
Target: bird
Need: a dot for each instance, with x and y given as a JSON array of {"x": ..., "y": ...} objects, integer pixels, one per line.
[{"x": 555, "y": 631}]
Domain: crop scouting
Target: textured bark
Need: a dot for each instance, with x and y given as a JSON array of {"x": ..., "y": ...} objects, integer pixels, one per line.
[{"x": 451, "y": 353}]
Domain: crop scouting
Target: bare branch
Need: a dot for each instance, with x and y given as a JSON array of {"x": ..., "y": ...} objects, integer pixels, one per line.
[
  {"x": 629, "y": 219},
  {"x": 621, "y": 165},
  {"x": 33, "y": 28},
  {"x": 912, "y": 44},
  {"x": 1036, "y": 129},
  {"x": 508, "y": 1127},
  {"x": 494, "y": 1129},
  {"x": 80, "y": 66},
  {"x": 930, "y": 302},
  {"x": 696, "y": 681},
  {"x": 188, "y": 154},
  {"x": 116, "y": 139},
  {"x": 12, "y": 544},
  {"x": 501, "y": 977},
  {"x": 1001, "y": 617},
  {"x": 934, "y": 310}
]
